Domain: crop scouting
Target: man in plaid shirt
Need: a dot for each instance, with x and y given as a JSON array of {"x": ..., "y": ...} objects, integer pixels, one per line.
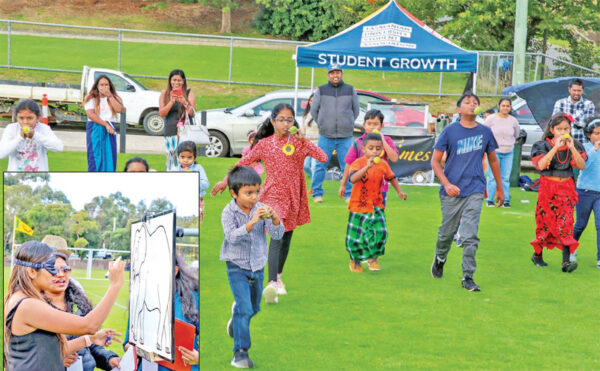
[{"x": 578, "y": 107}]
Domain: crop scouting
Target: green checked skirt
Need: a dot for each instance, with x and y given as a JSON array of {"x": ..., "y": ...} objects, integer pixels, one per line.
[{"x": 366, "y": 235}]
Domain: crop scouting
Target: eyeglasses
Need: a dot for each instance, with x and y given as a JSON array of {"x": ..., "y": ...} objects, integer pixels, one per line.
[{"x": 281, "y": 120}]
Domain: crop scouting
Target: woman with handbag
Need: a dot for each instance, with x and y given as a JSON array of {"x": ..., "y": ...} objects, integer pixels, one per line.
[{"x": 176, "y": 103}]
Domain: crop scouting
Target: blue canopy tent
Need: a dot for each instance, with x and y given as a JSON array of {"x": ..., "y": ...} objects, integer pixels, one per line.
[{"x": 391, "y": 39}]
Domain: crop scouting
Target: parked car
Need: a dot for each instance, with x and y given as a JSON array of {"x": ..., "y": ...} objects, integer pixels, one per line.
[
  {"x": 65, "y": 101},
  {"x": 229, "y": 127}
]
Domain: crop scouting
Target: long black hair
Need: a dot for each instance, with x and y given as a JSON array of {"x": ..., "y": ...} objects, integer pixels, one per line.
[
  {"x": 307, "y": 110},
  {"x": 167, "y": 96},
  {"x": 266, "y": 129},
  {"x": 186, "y": 283},
  {"x": 554, "y": 121},
  {"x": 27, "y": 104},
  {"x": 74, "y": 295}
]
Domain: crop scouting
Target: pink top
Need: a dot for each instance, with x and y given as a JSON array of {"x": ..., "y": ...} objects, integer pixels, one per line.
[
  {"x": 257, "y": 165},
  {"x": 356, "y": 152},
  {"x": 285, "y": 186},
  {"x": 506, "y": 131}
]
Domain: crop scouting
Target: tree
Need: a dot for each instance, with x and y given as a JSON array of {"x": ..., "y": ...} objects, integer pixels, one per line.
[
  {"x": 81, "y": 243},
  {"x": 159, "y": 205},
  {"x": 225, "y": 6}
]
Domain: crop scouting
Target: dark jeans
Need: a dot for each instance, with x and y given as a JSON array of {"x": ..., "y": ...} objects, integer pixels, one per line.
[
  {"x": 588, "y": 201},
  {"x": 278, "y": 252},
  {"x": 246, "y": 287}
]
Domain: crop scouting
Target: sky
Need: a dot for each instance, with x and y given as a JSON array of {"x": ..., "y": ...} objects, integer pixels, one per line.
[{"x": 181, "y": 189}]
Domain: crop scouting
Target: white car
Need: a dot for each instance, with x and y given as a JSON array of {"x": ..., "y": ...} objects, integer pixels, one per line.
[{"x": 229, "y": 127}]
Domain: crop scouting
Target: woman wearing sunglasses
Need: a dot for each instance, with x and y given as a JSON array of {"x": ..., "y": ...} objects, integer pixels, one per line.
[{"x": 33, "y": 328}]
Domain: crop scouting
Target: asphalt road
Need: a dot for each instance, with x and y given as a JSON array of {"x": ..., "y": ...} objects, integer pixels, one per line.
[{"x": 74, "y": 140}]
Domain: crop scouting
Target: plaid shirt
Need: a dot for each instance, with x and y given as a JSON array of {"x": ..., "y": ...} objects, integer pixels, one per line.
[
  {"x": 246, "y": 250},
  {"x": 580, "y": 110}
]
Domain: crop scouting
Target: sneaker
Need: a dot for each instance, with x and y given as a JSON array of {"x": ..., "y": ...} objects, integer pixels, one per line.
[
  {"x": 270, "y": 293},
  {"x": 506, "y": 204},
  {"x": 230, "y": 327},
  {"x": 318, "y": 199},
  {"x": 489, "y": 203},
  {"x": 354, "y": 268},
  {"x": 437, "y": 268},
  {"x": 373, "y": 265},
  {"x": 569, "y": 267},
  {"x": 469, "y": 284},
  {"x": 347, "y": 199},
  {"x": 598, "y": 265},
  {"x": 281, "y": 287},
  {"x": 241, "y": 359},
  {"x": 538, "y": 261}
]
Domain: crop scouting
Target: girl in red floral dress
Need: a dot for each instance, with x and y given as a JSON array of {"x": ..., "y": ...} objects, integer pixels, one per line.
[
  {"x": 282, "y": 148},
  {"x": 556, "y": 155}
]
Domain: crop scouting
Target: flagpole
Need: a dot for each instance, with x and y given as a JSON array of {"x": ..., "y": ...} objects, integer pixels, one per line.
[{"x": 12, "y": 247}]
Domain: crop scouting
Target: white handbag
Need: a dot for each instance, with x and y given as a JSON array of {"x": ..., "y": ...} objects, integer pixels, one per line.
[{"x": 196, "y": 133}]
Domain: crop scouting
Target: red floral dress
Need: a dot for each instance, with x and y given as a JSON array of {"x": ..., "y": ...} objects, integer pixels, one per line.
[{"x": 285, "y": 186}]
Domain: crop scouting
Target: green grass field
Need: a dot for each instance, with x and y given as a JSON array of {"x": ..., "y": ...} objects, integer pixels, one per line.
[
  {"x": 205, "y": 62},
  {"x": 524, "y": 318},
  {"x": 95, "y": 290}
]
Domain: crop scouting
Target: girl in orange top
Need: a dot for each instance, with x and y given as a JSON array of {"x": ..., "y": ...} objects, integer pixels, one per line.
[{"x": 366, "y": 234}]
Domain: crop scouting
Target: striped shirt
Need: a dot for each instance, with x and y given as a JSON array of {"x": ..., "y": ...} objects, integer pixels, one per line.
[
  {"x": 580, "y": 110},
  {"x": 246, "y": 250}
]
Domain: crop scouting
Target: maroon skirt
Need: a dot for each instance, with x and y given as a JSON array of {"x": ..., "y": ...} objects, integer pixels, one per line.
[{"x": 554, "y": 215}]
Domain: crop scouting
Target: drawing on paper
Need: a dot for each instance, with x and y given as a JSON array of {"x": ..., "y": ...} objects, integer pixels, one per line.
[{"x": 151, "y": 285}]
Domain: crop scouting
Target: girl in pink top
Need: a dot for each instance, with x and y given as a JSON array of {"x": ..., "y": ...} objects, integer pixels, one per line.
[
  {"x": 373, "y": 121},
  {"x": 257, "y": 165},
  {"x": 284, "y": 190}
]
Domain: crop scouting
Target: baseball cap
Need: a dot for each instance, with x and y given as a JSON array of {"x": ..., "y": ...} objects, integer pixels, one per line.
[{"x": 333, "y": 67}]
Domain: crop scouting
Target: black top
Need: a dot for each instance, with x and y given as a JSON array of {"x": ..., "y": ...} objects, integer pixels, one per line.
[
  {"x": 560, "y": 165},
  {"x": 38, "y": 350},
  {"x": 172, "y": 118}
]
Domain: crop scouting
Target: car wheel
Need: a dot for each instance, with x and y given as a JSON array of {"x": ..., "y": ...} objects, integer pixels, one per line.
[
  {"x": 217, "y": 146},
  {"x": 414, "y": 124},
  {"x": 153, "y": 123}
]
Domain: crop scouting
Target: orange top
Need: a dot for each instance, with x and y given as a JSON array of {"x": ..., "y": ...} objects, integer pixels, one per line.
[{"x": 366, "y": 193}]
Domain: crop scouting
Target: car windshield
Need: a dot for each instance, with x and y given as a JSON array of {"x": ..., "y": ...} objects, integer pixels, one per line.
[
  {"x": 134, "y": 80},
  {"x": 228, "y": 110}
]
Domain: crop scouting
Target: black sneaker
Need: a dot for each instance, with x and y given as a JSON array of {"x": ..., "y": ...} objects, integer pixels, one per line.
[
  {"x": 506, "y": 204},
  {"x": 230, "y": 327},
  {"x": 241, "y": 359},
  {"x": 569, "y": 267},
  {"x": 469, "y": 284},
  {"x": 437, "y": 268},
  {"x": 538, "y": 261},
  {"x": 489, "y": 203}
]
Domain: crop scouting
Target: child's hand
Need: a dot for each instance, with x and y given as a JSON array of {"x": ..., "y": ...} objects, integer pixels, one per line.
[
  {"x": 218, "y": 188},
  {"x": 369, "y": 162},
  {"x": 258, "y": 215},
  {"x": 558, "y": 141},
  {"x": 342, "y": 190},
  {"x": 402, "y": 195},
  {"x": 452, "y": 190},
  {"x": 272, "y": 214},
  {"x": 299, "y": 136},
  {"x": 570, "y": 143}
]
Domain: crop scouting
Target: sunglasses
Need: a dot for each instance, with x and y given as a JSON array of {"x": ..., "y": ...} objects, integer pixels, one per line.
[{"x": 54, "y": 271}]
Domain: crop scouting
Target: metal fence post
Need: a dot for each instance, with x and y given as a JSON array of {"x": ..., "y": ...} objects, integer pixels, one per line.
[
  {"x": 312, "y": 78},
  {"x": 537, "y": 63},
  {"x": 9, "y": 31},
  {"x": 440, "y": 88},
  {"x": 122, "y": 130},
  {"x": 120, "y": 39},
  {"x": 230, "y": 61}
]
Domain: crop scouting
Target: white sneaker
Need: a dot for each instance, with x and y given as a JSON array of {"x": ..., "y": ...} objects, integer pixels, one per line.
[
  {"x": 573, "y": 257},
  {"x": 281, "y": 288},
  {"x": 270, "y": 293}
]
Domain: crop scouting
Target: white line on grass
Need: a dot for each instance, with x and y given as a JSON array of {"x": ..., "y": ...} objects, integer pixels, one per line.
[{"x": 98, "y": 296}]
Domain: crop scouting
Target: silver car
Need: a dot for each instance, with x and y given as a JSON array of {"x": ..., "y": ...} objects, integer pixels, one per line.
[{"x": 229, "y": 127}]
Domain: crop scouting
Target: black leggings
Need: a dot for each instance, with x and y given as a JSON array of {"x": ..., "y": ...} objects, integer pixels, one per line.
[{"x": 278, "y": 252}]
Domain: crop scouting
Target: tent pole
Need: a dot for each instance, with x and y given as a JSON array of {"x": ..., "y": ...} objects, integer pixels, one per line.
[
  {"x": 312, "y": 78},
  {"x": 475, "y": 83},
  {"x": 296, "y": 91}
]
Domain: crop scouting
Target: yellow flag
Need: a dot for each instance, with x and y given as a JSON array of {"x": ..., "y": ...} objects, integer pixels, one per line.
[{"x": 22, "y": 227}]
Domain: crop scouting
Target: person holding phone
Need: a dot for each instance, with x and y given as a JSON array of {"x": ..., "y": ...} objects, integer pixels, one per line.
[{"x": 175, "y": 102}]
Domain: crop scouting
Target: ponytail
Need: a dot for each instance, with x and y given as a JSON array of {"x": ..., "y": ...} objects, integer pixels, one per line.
[{"x": 266, "y": 129}]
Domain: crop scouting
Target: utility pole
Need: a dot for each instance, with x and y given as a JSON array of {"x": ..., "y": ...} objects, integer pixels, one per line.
[{"x": 518, "y": 76}]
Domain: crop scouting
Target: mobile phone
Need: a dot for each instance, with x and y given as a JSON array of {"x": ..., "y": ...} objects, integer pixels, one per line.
[{"x": 178, "y": 92}]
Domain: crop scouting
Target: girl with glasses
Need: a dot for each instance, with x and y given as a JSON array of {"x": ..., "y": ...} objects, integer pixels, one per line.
[
  {"x": 33, "y": 328},
  {"x": 282, "y": 148}
]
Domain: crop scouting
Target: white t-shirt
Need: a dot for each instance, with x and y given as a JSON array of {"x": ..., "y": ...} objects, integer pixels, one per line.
[{"x": 105, "y": 112}]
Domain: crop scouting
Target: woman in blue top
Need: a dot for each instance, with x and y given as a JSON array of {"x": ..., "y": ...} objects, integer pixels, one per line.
[
  {"x": 588, "y": 184},
  {"x": 185, "y": 307}
]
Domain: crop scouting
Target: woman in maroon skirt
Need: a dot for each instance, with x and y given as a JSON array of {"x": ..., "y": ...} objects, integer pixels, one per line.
[{"x": 556, "y": 155}]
